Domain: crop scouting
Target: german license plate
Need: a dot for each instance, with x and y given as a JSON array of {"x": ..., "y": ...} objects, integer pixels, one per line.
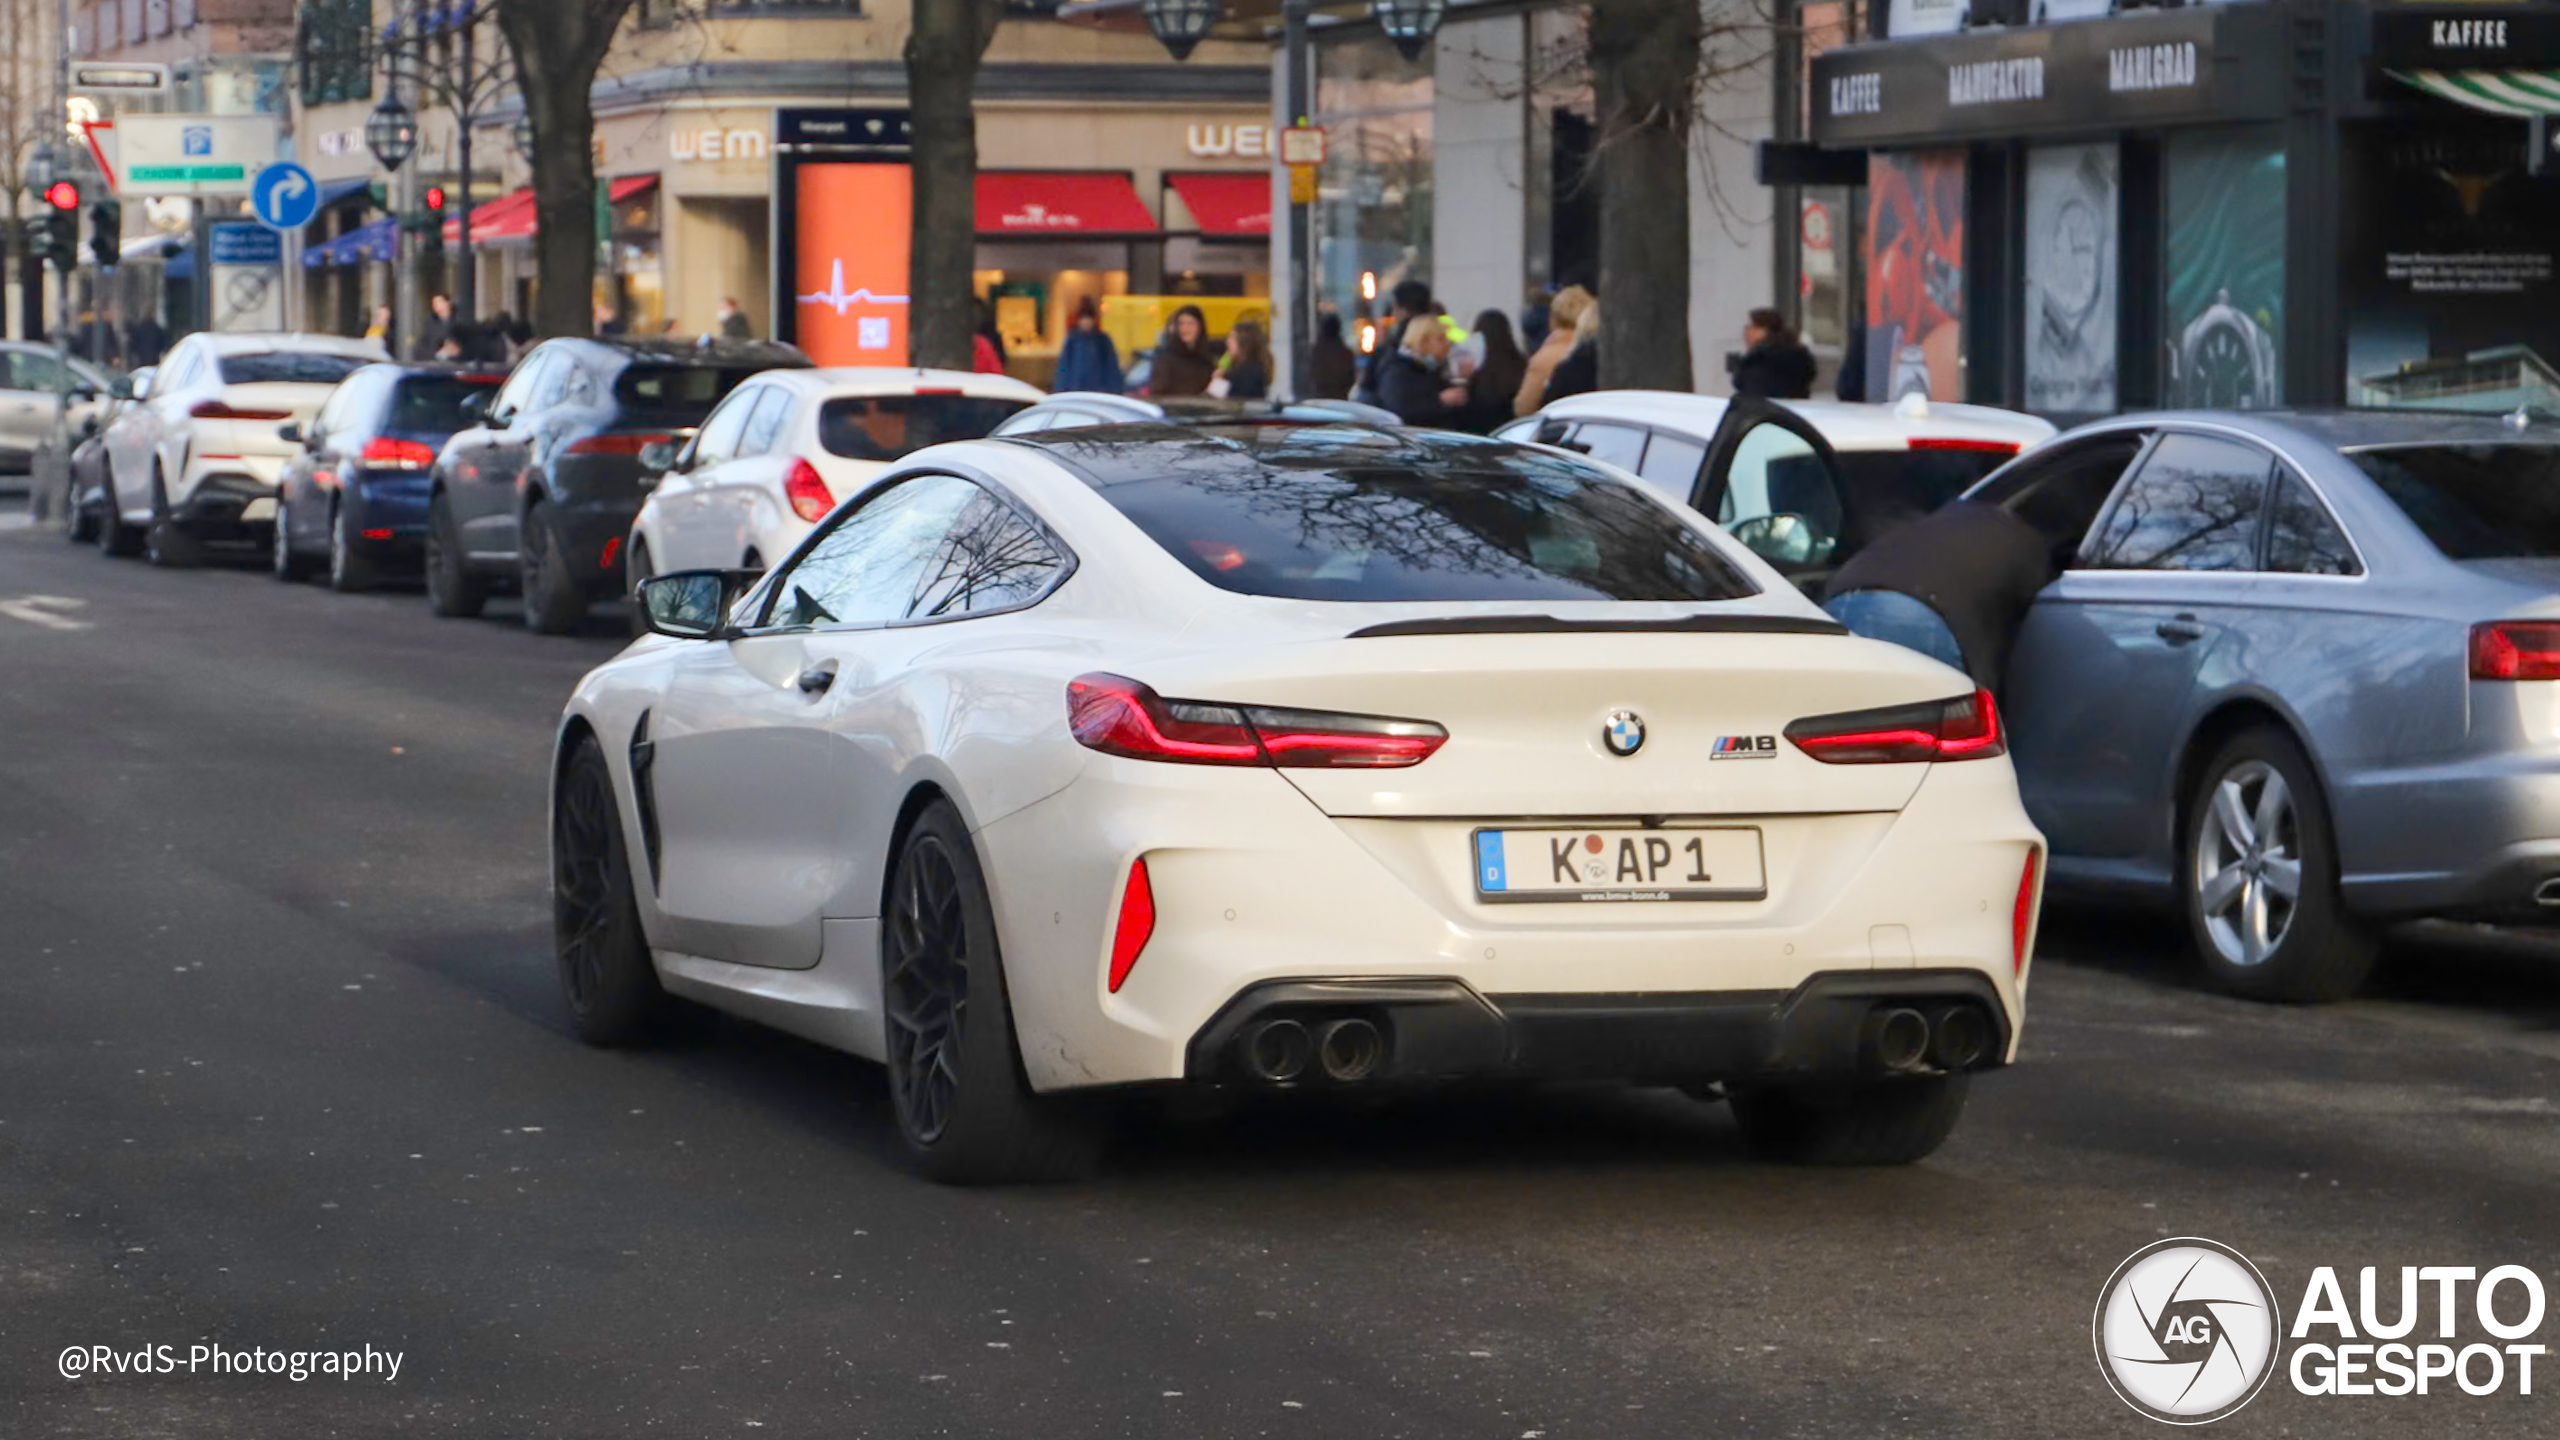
[{"x": 1610, "y": 865}]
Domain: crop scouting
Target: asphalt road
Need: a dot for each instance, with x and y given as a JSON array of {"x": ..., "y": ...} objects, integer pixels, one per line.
[{"x": 282, "y": 1065}]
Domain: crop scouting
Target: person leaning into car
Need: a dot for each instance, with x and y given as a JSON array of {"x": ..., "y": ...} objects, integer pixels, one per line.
[{"x": 1954, "y": 585}]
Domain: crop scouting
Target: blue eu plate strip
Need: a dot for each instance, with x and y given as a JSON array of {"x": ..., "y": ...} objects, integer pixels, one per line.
[{"x": 1489, "y": 860}]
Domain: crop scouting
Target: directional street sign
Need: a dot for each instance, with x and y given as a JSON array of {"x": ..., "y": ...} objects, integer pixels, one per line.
[{"x": 284, "y": 196}]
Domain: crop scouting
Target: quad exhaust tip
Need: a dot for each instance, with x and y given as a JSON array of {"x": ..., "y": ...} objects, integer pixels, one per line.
[
  {"x": 1276, "y": 1051},
  {"x": 1350, "y": 1050},
  {"x": 1960, "y": 1038},
  {"x": 2547, "y": 894},
  {"x": 1898, "y": 1039}
]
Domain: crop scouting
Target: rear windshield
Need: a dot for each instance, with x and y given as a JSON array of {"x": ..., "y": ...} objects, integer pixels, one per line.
[
  {"x": 2476, "y": 502},
  {"x": 299, "y": 367},
  {"x": 888, "y": 427},
  {"x": 679, "y": 393},
  {"x": 434, "y": 402},
  {"x": 1340, "y": 514}
]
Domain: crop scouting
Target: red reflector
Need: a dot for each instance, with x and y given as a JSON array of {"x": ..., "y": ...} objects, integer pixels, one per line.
[
  {"x": 809, "y": 497},
  {"x": 2022, "y": 917},
  {"x": 2516, "y": 650},
  {"x": 1987, "y": 447},
  {"x": 217, "y": 410},
  {"x": 623, "y": 443},
  {"x": 477, "y": 378},
  {"x": 377, "y": 534},
  {"x": 940, "y": 390},
  {"x": 1118, "y": 716},
  {"x": 612, "y": 552},
  {"x": 1137, "y": 923},
  {"x": 1965, "y": 728},
  {"x": 384, "y": 453}
]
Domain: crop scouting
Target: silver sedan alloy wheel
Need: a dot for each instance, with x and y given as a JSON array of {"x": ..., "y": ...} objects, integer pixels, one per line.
[{"x": 2248, "y": 863}]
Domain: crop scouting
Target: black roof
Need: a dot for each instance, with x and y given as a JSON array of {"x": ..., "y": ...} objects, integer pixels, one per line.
[{"x": 769, "y": 354}]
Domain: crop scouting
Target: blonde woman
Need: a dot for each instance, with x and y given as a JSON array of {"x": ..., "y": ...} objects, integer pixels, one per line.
[{"x": 1564, "y": 318}]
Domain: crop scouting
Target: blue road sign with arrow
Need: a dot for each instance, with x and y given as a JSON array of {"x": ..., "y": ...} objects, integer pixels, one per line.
[{"x": 284, "y": 196}]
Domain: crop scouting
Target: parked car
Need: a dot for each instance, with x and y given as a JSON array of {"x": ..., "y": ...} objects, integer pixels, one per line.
[
  {"x": 40, "y": 390},
  {"x": 1070, "y": 408},
  {"x": 785, "y": 447},
  {"x": 1804, "y": 483},
  {"x": 2301, "y": 673},
  {"x": 538, "y": 495},
  {"x": 1397, "y": 699},
  {"x": 90, "y": 488},
  {"x": 196, "y": 458},
  {"x": 355, "y": 499}
]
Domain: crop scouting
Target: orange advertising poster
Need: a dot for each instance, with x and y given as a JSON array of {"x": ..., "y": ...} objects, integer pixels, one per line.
[{"x": 850, "y": 283}]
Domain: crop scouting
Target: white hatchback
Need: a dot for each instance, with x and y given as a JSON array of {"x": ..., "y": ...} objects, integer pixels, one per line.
[
  {"x": 1317, "y": 758},
  {"x": 785, "y": 447}
]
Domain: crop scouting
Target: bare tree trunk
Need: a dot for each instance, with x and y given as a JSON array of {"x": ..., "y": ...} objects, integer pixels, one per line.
[
  {"x": 943, "y": 51},
  {"x": 1644, "y": 65},
  {"x": 558, "y": 46}
]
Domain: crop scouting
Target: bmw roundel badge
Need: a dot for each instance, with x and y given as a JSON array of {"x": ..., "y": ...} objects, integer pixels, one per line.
[{"x": 1624, "y": 732}]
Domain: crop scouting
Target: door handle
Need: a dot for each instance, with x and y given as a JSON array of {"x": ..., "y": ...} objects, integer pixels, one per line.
[
  {"x": 2181, "y": 631},
  {"x": 815, "y": 680}
]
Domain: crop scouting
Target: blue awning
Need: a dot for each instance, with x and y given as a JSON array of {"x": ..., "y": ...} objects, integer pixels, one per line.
[
  {"x": 338, "y": 192},
  {"x": 377, "y": 241}
]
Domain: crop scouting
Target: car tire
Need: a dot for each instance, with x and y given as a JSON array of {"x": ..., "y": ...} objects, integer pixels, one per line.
[
  {"x": 956, "y": 1084},
  {"x": 166, "y": 542},
  {"x": 2256, "y": 821},
  {"x": 606, "y": 974},
  {"x": 452, "y": 590},
  {"x": 288, "y": 567},
  {"x": 115, "y": 536},
  {"x": 351, "y": 567},
  {"x": 553, "y": 604},
  {"x": 79, "y": 523},
  {"x": 637, "y": 567},
  {"x": 1874, "y": 1122}
]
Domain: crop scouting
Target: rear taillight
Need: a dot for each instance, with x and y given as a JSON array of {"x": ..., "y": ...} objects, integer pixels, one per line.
[
  {"x": 2022, "y": 916},
  {"x": 384, "y": 453},
  {"x": 1983, "y": 447},
  {"x": 2516, "y": 650},
  {"x": 806, "y": 492},
  {"x": 1137, "y": 923},
  {"x": 618, "y": 443},
  {"x": 1119, "y": 716},
  {"x": 1965, "y": 728},
  {"x": 217, "y": 410}
]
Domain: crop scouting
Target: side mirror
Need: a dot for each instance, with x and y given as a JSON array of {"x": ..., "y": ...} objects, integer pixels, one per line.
[
  {"x": 693, "y": 604},
  {"x": 659, "y": 456},
  {"x": 476, "y": 404},
  {"x": 1786, "y": 540},
  {"x": 290, "y": 432},
  {"x": 80, "y": 394},
  {"x": 137, "y": 386}
]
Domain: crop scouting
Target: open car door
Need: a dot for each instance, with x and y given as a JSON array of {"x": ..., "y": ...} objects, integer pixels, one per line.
[{"x": 1772, "y": 481}]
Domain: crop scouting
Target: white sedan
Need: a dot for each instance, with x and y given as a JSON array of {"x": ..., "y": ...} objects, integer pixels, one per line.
[
  {"x": 1271, "y": 757},
  {"x": 784, "y": 447},
  {"x": 197, "y": 455}
]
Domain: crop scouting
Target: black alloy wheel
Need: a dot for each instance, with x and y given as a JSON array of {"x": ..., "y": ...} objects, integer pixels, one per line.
[
  {"x": 605, "y": 970},
  {"x": 553, "y": 603},
  {"x": 351, "y": 568},
  {"x": 452, "y": 590},
  {"x": 166, "y": 542}
]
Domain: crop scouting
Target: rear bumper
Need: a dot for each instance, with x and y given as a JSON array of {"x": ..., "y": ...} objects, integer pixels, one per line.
[
  {"x": 2474, "y": 840},
  {"x": 1442, "y": 1030},
  {"x": 219, "y": 503}
]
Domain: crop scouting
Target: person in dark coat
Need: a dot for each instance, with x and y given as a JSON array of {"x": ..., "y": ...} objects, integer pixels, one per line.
[
  {"x": 1184, "y": 364},
  {"x": 1088, "y": 360},
  {"x": 1578, "y": 373},
  {"x": 1954, "y": 585},
  {"x": 1331, "y": 367},
  {"x": 1245, "y": 372},
  {"x": 1774, "y": 363},
  {"x": 1851, "y": 383},
  {"x": 437, "y": 330},
  {"x": 1495, "y": 382},
  {"x": 144, "y": 342},
  {"x": 1414, "y": 380}
]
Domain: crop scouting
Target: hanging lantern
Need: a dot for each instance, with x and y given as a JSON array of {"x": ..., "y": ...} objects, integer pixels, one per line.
[
  {"x": 1409, "y": 23},
  {"x": 391, "y": 131},
  {"x": 1180, "y": 24}
]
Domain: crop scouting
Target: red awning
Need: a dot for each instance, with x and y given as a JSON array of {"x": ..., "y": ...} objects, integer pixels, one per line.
[
  {"x": 630, "y": 185},
  {"x": 509, "y": 217},
  {"x": 1227, "y": 203},
  {"x": 1060, "y": 202}
]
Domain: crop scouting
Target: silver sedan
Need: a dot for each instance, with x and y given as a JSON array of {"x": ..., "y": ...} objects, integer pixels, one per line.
[{"x": 2301, "y": 671}]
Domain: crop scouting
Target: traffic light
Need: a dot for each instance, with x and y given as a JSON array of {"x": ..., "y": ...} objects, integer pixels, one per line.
[
  {"x": 62, "y": 224},
  {"x": 435, "y": 201},
  {"x": 106, "y": 231}
]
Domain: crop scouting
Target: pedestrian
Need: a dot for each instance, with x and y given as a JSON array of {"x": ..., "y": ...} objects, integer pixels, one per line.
[
  {"x": 1774, "y": 364},
  {"x": 1408, "y": 299},
  {"x": 1495, "y": 381},
  {"x": 1331, "y": 367},
  {"x": 1851, "y": 383},
  {"x": 608, "y": 321},
  {"x": 519, "y": 340},
  {"x": 1954, "y": 585},
  {"x": 1563, "y": 314},
  {"x": 380, "y": 329},
  {"x": 1578, "y": 373},
  {"x": 438, "y": 329},
  {"x": 144, "y": 341},
  {"x": 1087, "y": 360},
  {"x": 1534, "y": 319},
  {"x": 994, "y": 338},
  {"x": 1183, "y": 364},
  {"x": 1413, "y": 379},
  {"x": 733, "y": 321},
  {"x": 1244, "y": 372}
]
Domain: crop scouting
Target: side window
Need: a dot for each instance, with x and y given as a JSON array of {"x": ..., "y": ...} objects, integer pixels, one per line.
[
  {"x": 933, "y": 545},
  {"x": 765, "y": 425},
  {"x": 182, "y": 368},
  {"x": 1671, "y": 464},
  {"x": 559, "y": 381},
  {"x": 37, "y": 371},
  {"x": 2194, "y": 505},
  {"x": 1775, "y": 473},
  {"x": 1619, "y": 445},
  {"x": 2302, "y": 539},
  {"x": 2061, "y": 491},
  {"x": 340, "y": 406},
  {"x": 718, "y": 440},
  {"x": 515, "y": 396}
]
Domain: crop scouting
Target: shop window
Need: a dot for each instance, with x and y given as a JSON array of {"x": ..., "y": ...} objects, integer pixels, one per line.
[
  {"x": 2224, "y": 319},
  {"x": 1915, "y": 274},
  {"x": 2071, "y": 258},
  {"x": 333, "y": 51}
]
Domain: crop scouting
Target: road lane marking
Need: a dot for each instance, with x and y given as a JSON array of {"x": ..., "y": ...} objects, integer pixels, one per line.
[{"x": 38, "y": 610}]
